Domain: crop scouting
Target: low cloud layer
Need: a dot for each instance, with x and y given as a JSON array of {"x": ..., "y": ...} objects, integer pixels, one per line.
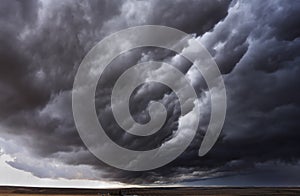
[{"x": 255, "y": 44}]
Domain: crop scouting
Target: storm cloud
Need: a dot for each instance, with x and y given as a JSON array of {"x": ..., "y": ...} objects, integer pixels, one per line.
[{"x": 256, "y": 45}]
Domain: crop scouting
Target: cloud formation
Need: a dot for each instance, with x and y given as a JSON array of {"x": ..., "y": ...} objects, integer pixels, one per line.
[{"x": 255, "y": 44}]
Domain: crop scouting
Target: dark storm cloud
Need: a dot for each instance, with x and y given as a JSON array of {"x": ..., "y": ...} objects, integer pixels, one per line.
[
  {"x": 255, "y": 44},
  {"x": 41, "y": 47},
  {"x": 192, "y": 17}
]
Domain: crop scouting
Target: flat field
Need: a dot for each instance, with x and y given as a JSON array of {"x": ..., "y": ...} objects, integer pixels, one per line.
[{"x": 188, "y": 191}]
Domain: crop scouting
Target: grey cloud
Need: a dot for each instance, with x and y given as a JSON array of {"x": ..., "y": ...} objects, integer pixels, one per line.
[{"x": 255, "y": 43}]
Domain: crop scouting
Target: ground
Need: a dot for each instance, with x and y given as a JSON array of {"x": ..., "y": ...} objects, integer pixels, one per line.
[{"x": 26, "y": 191}]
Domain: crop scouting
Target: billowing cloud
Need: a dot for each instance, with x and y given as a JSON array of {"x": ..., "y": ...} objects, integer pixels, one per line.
[{"x": 255, "y": 44}]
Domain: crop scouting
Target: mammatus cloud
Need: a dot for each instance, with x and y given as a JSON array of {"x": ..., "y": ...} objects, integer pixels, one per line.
[{"x": 255, "y": 43}]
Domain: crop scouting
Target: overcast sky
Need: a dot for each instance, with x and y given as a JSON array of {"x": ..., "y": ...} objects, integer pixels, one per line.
[{"x": 256, "y": 45}]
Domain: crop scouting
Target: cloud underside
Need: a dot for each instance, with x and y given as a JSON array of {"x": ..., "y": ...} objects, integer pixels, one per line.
[{"x": 255, "y": 44}]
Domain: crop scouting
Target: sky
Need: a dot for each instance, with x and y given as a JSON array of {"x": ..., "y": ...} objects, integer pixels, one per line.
[{"x": 255, "y": 44}]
